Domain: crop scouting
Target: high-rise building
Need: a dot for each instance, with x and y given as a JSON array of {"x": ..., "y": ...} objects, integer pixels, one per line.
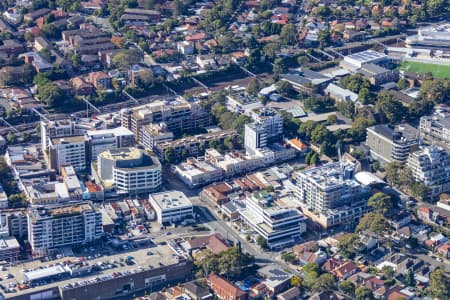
[
  {"x": 69, "y": 150},
  {"x": 436, "y": 127},
  {"x": 61, "y": 226},
  {"x": 431, "y": 166},
  {"x": 255, "y": 137},
  {"x": 280, "y": 227},
  {"x": 267, "y": 127},
  {"x": 330, "y": 195},
  {"x": 129, "y": 170},
  {"x": 392, "y": 143}
]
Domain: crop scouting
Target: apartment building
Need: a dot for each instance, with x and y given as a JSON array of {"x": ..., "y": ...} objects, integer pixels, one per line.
[
  {"x": 155, "y": 133},
  {"x": 267, "y": 127},
  {"x": 330, "y": 195},
  {"x": 242, "y": 103},
  {"x": 390, "y": 143},
  {"x": 436, "y": 127},
  {"x": 102, "y": 140},
  {"x": 71, "y": 150},
  {"x": 63, "y": 128},
  {"x": 281, "y": 227},
  {"x": 60, "y": 226},
  {"x": 129, "y": 170},
  {"x": 178, "y": 114},
  {"x": 194, "y": 145},
  {"x": 171, "y": 206},
  {"x": 431, "y": 166}
]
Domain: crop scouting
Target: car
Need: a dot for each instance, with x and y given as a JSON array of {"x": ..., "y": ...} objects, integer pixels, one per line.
[{"x": 439, "y": 259}]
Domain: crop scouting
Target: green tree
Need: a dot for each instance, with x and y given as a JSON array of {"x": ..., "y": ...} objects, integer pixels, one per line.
[
  {"x": 364, "y": 293},
  {"x": 289, "y": 257},
  {"x": 409, "y": 280},
  {"x": 311, "y": 272},
  {"x": 348, "y": 244},
  {"x": 297, "y": 281},
  {"x": 288, "y": 34},
  {"x": 381, "y": 202},
  {"x": 17, "y": 200},
  {"x": 280, "y": 66},
  {"x": 11, "y": 137},
  {"x": 324, "y": 37},
  {"x": 239, "y": 123},
  {"x": 324, "y": 283},
  {"x": 253, "y": 87},
  {"x": 388, "y": 272},
  {"x": 262, "y": 242},
  {"x": 359, "y": 126},
  {"x": 347, "y": 287},
  {"x": 373, "y": 222},
  {"x": 170, "y": 155},
  {"x": 393, "y": 110},
  {"x": 332, "y": 119},
  {"x": 270, "y": 50},
  {"x": 284, "y": 88},
  {"x": 439, "y": 285},
  {"x": 127, "y": 57}
]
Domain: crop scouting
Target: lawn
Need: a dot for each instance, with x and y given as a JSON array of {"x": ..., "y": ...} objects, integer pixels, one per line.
[{"x": 438, "y": 71}]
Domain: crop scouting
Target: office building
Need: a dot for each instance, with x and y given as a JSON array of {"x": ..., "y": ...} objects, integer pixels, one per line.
[
  {"x": 267, "y": 128},
  {"x": 129, "y": 170},
  {"x": 69, "y": 150},
  {"x": 280, "y": 227},
  {"x": 171, "y": 206},
  {"x": 389, "y": 143},
  {"x": 436, "y": 127},
  {"x": 9, "y": 249},
  {"x": 431, "y": 166},
  {"x": 177, "y": 114},
  {"x": 329, "y": 195},
  {"x": 102, "y": 140},
  {"x": 63, "y": 226}
]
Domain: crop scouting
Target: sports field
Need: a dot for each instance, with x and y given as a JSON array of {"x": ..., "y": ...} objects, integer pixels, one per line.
[{"x": 438, "y": 71}]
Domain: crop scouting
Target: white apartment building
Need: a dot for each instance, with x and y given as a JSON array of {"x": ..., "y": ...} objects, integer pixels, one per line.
[
  {"x": 129, "y": 170},
  {"x": 242, "y": 103},
  {"x": 102, "y": 140},
  {"x": 69, "y": 150},
  {"x": 436, "y": 127},
  {"x": 68, "y": 225},
  {"x": 64, "y": 128},
  {"x": 171, "y": 206},
  {"x": 255, "y": 137},
  {"x": 281, "y": 227},
  {"x": 431, "y": 166},
  {"x": 271, "y": 121},
  {"x": 330, "y": 195}
]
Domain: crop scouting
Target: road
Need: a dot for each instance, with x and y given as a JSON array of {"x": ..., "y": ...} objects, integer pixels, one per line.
[{"x": 227, "y": 230}]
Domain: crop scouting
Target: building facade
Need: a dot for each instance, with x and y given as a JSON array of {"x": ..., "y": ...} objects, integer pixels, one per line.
[
  {"x": 68, "y": 225},
  {"x": 70, "y": 150},
  {"x": 388, "y": 143},
  {"x": 431, "y": 166},
  {"x": 129, "y": 170},
  {"x": 171, "y": 206},
  {"x": 278, "y": 226},
  {"x": 436, "y": 127}
]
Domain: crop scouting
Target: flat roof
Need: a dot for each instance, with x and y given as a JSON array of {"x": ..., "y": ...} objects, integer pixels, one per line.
[
  {"x": 44, "y": 273},
  {"x": 122, "y": 153},
  {"x": 171, "y": 199},
  {"x": 366, "y": 56}
]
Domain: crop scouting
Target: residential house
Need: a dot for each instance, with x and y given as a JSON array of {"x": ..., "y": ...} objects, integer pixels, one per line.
[
  {"x": 100, "y": 80},
  {"x": 224, "y": 289}
]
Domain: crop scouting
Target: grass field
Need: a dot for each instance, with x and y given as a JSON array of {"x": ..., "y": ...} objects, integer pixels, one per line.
[{"x": 438, "y": 71}]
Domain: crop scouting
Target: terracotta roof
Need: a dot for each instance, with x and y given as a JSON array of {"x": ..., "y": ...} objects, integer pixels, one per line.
[
  {"x": 214, "y": 242},
  {"x": 216, "y": 280}
]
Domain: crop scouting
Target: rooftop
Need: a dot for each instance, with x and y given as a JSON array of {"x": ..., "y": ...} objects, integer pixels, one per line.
[
  {"x": 171, "y": 199},
  {"x": 400, "y": 133}
]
